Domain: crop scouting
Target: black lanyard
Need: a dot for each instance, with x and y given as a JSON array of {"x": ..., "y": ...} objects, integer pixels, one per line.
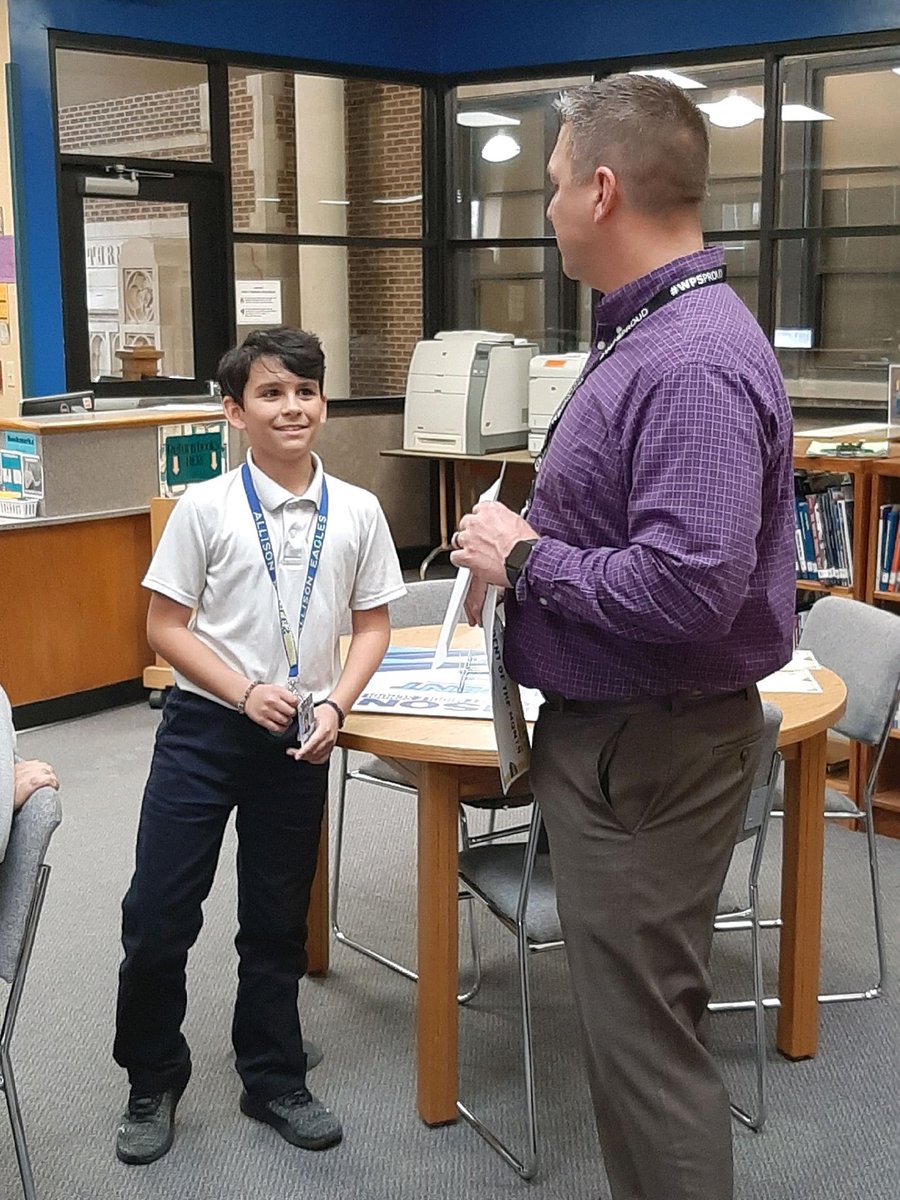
[{"x": 670, "y": 292}]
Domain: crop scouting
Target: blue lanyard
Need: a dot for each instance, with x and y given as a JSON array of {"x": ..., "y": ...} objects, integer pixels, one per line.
[{"x": 268, "y": 553}]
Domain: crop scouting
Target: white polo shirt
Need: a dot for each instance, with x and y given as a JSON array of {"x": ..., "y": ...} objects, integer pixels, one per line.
[{"x": 209, "y": 558}]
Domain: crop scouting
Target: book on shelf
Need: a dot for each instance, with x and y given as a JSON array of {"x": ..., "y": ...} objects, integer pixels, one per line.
[
  {"x": 887, "y": 559},
  {"x": 823, "y": 527}
]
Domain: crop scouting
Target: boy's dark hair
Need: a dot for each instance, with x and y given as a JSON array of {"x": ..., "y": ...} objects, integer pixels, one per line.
[{"x": 300, "y": 352}]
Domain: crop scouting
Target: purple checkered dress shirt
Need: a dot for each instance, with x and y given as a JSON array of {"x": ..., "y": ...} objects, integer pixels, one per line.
[{"x": 665, "y": 508}]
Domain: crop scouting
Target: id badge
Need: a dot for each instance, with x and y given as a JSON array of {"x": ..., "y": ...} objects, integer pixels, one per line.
[{"x": 306, "y": 718}]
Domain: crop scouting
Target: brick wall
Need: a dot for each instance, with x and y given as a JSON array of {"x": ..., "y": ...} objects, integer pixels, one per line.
[
  {"x": 384, "y": 161},
  {"x": 149, "y": 125}
]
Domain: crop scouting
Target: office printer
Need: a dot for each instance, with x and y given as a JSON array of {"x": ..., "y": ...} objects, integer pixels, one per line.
[
  {"x": 549, "y": 378},
  {"x": 467, "y": 391}
]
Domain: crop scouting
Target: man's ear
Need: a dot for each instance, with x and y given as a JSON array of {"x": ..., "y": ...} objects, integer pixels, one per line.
[
  {"x": 607, "y": 192},
  {"x": 324, "y": 409},
  {"x": 234, "y": 414}
]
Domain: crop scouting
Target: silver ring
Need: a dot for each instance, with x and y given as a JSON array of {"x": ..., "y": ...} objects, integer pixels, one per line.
[{"x": 454, "y": 541}]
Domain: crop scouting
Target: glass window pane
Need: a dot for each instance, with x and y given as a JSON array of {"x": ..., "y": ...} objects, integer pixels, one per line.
[
  {"x": 119, "y": 104},
  {"x": 841, "y": 151},
  {"x": 730, "y": 95},
  {"x": 838, "y": 317},
  {"x": 358, "y": 142},
  {"x": 742, "y": 261},
  {"x": 503, "y": 134},
  {"x": 514, "y": 289},
  {"x": 138, "y": 289},
  {"x": 340, "y": 294}
]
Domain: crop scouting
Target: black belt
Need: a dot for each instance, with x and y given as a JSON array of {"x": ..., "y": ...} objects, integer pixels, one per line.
[{"x": 599, "y": 708}]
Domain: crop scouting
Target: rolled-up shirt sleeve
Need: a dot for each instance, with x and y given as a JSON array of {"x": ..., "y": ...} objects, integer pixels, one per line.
[{"x": 693, "y": 520}]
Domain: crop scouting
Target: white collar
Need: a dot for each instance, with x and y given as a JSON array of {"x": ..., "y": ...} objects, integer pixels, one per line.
[{"x": 273, "y": 496}]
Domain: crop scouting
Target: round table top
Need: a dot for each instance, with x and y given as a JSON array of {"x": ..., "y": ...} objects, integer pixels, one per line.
[{"x": 469, "y": 741}]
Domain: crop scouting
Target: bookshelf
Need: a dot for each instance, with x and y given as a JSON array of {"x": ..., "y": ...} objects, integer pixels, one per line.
[{"x": 876, "y": 482}]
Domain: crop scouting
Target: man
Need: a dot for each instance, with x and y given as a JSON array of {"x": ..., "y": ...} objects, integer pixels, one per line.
[{"x": 650, "y": 587}]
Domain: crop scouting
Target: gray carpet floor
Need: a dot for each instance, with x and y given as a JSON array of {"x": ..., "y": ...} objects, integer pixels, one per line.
[{"x": 833, "y": 1125}]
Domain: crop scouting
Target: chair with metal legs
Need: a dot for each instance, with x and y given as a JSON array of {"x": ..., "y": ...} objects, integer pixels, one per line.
[
  {"x": 23, "y": 882},
  {"x": 754, "y": 825},
  {"x": 424, "y": 604},
  {"x": 515, "y": 883},
  {"x": 862, "y": 645}
]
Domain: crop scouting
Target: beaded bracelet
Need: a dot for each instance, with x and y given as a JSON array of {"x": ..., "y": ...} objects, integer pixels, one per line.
[
  {"x": 337, "y": 708},
  {"x": 242, "y": 703}
]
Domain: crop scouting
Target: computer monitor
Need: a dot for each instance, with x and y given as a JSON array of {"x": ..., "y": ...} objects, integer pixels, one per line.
[{"x": 65, "y": 402}]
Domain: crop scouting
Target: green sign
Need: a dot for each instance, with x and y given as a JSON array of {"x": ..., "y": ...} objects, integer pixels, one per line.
[{"x": 193, "y": 457}]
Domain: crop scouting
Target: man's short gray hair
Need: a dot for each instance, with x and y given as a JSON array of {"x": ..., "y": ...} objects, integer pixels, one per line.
[{"x": 647, "y": 131}]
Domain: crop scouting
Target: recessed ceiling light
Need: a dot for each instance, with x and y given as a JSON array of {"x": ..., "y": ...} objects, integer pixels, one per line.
[
  {"x": 485, "y": 120},
  {"x": 683, "y": 81}
]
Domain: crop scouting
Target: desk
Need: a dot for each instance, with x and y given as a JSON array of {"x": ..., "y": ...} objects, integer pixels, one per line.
[
  {"x": 467, "y": 469},
  {"x": 458, "y": 757}
]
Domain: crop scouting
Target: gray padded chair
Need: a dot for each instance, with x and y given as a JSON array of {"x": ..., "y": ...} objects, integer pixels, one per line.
[
  {"x": 862, "y": 645},
  {"x": 515, "y": 882},
  {"x": 424, "y": 604},
  {"x": 23, "y": 882},
  {"x": 754, "y": 826}
]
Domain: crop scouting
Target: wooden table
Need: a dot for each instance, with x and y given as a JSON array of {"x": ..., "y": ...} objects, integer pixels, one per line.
[
  {"x": 469, "y": 471},
  {"x": 458, "y": 757}
]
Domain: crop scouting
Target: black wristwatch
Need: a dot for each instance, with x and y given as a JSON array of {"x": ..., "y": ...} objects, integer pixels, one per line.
[{"x": 516, "y": 559}]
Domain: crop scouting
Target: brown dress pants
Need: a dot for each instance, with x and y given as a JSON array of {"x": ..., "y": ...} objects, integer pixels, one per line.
[{"x": 642, "y": 803}]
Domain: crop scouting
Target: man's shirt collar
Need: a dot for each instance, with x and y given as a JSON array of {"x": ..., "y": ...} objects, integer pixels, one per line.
[{"x": 618, "y": 307}]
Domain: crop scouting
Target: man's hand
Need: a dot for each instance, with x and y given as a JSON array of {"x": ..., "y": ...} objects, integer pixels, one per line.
[
  {"x": 30, "y": 776},
  {"x": 484, "y": 539},
  {"x": 474, "y": 601},
  {"x": 320, "y": 743},
  {"x": 271, "y": 706}
]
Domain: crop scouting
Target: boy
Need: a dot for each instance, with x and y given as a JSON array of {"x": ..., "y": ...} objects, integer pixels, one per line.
[{"x": 249, "y": 551}]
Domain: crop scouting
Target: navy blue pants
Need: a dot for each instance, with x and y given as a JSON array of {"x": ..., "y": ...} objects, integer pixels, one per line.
[{"x": 207, "y": 760}]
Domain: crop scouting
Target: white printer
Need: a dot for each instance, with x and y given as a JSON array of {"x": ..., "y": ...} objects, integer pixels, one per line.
[
  {"x": 549, "y": 378},
  {"x": 467, "y": 391}
]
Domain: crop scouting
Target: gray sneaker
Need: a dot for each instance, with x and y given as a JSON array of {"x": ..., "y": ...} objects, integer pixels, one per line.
[
  {"x": 147, "y": 1128},
  {"x": 298, "y": 1116}
]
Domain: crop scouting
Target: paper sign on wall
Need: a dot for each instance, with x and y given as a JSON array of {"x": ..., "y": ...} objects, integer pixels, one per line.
[{"x": 258, "y": 301}]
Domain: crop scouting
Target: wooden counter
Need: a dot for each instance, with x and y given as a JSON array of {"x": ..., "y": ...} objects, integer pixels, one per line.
[{"x": 73, "y": 609}]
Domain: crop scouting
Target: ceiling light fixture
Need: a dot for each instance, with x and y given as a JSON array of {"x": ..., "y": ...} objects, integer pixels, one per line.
[
  {"x": 342, "y": 202},
  {"x": 733, "y": 112},
  {"x": 500, "y": 148},
  {"x": 683, "y": 81},
  {"x": 485, "y": 120},
  {"x": 802, "y": 112}
]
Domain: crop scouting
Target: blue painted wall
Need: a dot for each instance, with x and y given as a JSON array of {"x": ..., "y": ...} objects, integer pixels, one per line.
[
  {"x": 492, "y": 34},
  {"x": 439, "y": 36}
]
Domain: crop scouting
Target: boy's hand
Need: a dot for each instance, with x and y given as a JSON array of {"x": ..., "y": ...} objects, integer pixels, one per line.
[
  {"x": 271, "y": 706},
  {"x": 320, "y": 743}
]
